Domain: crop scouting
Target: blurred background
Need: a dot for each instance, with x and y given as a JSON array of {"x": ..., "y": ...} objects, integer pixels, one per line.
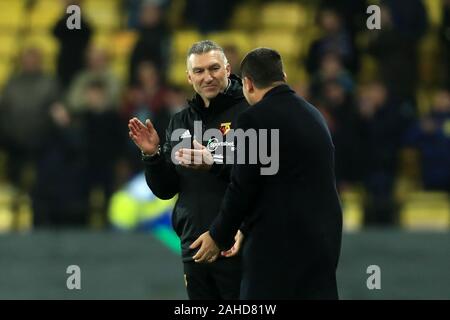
[{"x": 71, "y": 184}]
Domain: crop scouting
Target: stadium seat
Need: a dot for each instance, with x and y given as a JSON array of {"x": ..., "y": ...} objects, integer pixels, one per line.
[
  {"x": 243, "y": 17},
  {"x": 177, "y": 72},
  {"x": 121, "y": 67},
  {"x": 8, "y": 46},
  {"x": 6, "y": 214},
  {"x": 288, "y": 44},
  {"x": 286, "y": 16},
  {"x": 434, "y": 11},
  {"x": 45, "y": 14},
  {"x": 182, "y": 41},
  {"x": 426, "y": 211},
  {"x": 103, "y": 14},
  {"x": 240, "y": 39},
  {"x": 353, "y": 210},
  {"x": 122, "y": 43},
  {"x": 11, "y": 15}
]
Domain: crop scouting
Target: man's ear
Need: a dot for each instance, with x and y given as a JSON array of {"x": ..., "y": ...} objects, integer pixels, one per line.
[
  {"x": 285, "y": 76},
  {"x": 248, "y": 85},
  {"x": 188, "y": 77},
  {"x": 228, "y": 69}
]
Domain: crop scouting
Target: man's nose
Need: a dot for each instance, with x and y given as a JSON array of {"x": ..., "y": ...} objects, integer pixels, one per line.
[{"x": 208, "y": 77}]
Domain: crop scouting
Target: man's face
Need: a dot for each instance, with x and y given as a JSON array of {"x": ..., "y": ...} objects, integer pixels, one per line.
[{"x": 208, "y": 73}]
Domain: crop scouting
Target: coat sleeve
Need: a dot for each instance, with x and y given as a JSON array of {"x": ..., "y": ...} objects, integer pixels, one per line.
[
  {"x": 160, "y": 173},
  {"x": 240, "y": 195}
]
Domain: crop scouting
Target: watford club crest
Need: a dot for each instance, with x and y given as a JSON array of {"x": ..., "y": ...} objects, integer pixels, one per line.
[{"x": 225, "y": 127}]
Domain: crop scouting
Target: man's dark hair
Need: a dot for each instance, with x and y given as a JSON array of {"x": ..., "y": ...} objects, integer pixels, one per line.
[
  {"x": 263, "y": 66},
  {"x": 204, "y": 46}
]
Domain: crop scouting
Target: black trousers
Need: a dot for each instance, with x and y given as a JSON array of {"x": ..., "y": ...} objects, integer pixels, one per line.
[{"x": 220, "y": 280}]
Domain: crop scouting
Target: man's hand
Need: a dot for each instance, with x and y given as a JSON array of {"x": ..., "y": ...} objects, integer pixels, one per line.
[
  {"x": 236, "y": 247},
  {"x": 144, "y": 136},
  {"x": 208, "y": 251},
  {"x": 198, "y": 158}
]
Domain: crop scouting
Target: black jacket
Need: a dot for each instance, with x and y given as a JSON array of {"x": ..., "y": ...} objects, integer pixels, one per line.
[
  {"x": 200, "y": 193},
  {"x": 292, "y": 249}
]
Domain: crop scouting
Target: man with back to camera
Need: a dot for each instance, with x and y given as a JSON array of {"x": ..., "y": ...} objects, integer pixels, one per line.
[
  {"x": 200, "y": 186},
  {"x": 293, "y": 247}
]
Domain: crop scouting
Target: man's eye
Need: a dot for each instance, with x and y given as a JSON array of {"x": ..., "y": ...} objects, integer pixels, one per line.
[{"x": 197, "y": 71}]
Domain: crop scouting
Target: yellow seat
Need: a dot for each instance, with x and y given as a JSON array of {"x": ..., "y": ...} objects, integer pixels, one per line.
[
  {"x": 122, "y": 43},
  {"x": 290, "y": 16},
  {"x": 183, "y": 40},
  {"x": 434, "y": 10},
  {"x": 45, "y": 14},
  {"x": 177, "y": 73},
  {"x": 121, "y": 69},
  {"x": 241, "y": 40},
  {"x": 353, "y": 210},
  {"x": 243, "y": 17},
  {"x": 8, "y": 46},
  {"x": 425, "y": 211},
  {"x": 103, "y": 40},
  {"x": 6, "y": 205},
  {"x": 103, "y": 14},
  {"x": 288, "y": 44},
  {"x": 11, "y": 15}
]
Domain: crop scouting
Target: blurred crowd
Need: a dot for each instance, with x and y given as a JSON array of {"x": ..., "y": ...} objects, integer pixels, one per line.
[{"x": 65, "y": 135}]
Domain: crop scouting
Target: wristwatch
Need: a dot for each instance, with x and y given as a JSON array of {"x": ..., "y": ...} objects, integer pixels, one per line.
[{"x": 151, "y": 156}]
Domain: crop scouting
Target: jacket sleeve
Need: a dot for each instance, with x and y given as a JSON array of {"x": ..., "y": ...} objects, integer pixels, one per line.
[
  {"x": 239, "y": 198},
  {"x": 160, "y": 172}
]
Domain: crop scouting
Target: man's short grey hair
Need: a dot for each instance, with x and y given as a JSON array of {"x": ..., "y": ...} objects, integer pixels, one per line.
[{"x": 205, "y": 46}]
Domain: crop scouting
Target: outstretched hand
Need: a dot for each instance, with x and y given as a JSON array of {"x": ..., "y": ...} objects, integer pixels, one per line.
[{"x": 144, "y": 136}]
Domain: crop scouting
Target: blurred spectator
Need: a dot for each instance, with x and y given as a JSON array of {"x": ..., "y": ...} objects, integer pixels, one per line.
[
  {"x": 147, "y": 97},
  {"x": 339, "y": 110},
  {"x": 354, "y": 16},
  {"x": 395, "y": 45},
  {"x": 60, "y": 195},
  {"x": 146, "y": 100},
  {"x": 97, "y": 69},
  {"x": 209, "y": 16},
  {"x": 331, "y": 69},
  {"x": 234, "y": 59},
  {"x": 133, "y": 8},
  {"x": 153, "y": 42},
  {"x": 431, "y": 137},
  {"x": 335, "y": 40},
  {"x": 24, "y": 106},
  {"x": 105, "y": 137},
  {"x": 383, "y": 124},
  {"x": 73, "y": 44}
]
